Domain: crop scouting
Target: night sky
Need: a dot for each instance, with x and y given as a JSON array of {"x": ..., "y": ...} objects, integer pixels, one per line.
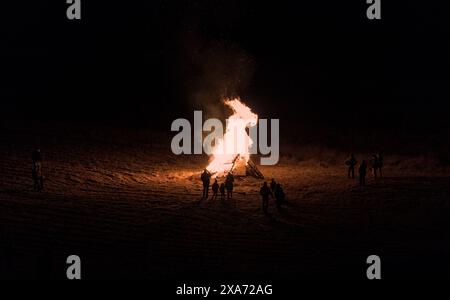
[{"x": 322, "y": 65}]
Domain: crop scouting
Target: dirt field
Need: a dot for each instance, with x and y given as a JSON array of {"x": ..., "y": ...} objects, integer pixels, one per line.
[{"x": 131, "y": 209}]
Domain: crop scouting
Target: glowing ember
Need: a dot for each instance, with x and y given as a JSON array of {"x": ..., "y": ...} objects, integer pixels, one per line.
[{"x": 233, "y": 150}]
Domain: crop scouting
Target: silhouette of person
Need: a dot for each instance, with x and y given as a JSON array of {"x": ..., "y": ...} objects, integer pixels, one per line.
[
  {"x": 362, "y": 173},
  {"x": 273, "y": 185},
  {"x": 265, "y": 193},
  {"x": 279, "y": 196},
  {"x": 206, "y": 179},
  {"x": 375, "y": 165},
  {"x": 222, "y": 191},
  {"x": 215, "y": 189},
  {"x": 229, "y": 185},
  {"x": 380, "y": 164},
  {"x": 36, "y": 171},
  {"x": 351, "y": 162}
]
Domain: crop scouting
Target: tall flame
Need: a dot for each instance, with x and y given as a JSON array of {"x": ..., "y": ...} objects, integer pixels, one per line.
[{"x": 234, "y": 148}]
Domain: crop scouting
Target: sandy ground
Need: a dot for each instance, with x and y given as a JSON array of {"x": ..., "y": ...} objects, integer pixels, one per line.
[{"x": 131, "y": 209}]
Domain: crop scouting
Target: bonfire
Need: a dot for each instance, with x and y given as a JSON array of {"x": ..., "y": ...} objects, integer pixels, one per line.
[{"x": 232, "y": 152}]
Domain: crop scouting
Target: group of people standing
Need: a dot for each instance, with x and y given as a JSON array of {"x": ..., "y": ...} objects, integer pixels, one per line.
[
  {"x": 274, "y": 191},
  {"x": 226, "y": 186},
  {"x": 376, "y": 166}
]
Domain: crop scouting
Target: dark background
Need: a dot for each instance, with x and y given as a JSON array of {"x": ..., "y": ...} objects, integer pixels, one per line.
[
  {"x": 323, "y": 68},
  {"x": 317, "y": 67}
]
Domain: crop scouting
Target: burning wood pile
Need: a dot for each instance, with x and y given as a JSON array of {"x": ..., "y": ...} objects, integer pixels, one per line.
[{"x": 232, "y": 152}]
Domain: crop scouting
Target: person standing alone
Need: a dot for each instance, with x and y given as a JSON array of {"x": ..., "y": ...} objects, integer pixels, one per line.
[{"x": 36, "y": 171}]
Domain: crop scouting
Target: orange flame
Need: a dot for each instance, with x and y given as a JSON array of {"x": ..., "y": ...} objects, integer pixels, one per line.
[{"x": 234, "y": 148}]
